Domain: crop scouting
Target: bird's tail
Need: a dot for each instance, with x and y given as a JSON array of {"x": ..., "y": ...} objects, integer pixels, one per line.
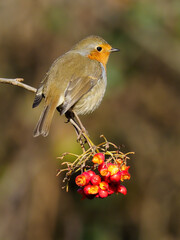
[{"x": 43, "y": 125}]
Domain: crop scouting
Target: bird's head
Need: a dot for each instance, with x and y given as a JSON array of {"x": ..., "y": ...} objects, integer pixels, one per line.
[{"x": 95, "y": 48}]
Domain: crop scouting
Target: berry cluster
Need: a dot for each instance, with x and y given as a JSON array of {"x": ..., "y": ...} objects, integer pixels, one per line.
[{"x": 106, "y": 182}]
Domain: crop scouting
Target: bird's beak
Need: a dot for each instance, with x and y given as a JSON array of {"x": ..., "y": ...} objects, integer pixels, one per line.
[{"x": 114, "y": 50}]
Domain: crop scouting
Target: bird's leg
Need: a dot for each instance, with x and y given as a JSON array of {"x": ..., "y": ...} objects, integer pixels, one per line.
[
  {"x": 84, "y": 133},
  {"x": 70, "y": 118},
  {"x": 80, "y": 130},
  {"x": 83, "y": 129}
]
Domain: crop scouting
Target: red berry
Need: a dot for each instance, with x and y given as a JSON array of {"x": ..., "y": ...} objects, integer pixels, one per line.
[
  {"x": 107, "y": 178},
  {"x": 112, "y": 188},
  {"x": 96, "y": 179},
  {"x": 101, "y": 166},
  {"x": 122, "y": 189},
  {"x": 91, "y": 173},
  {"x": 87, "y": 188},
  {"x": 103, "y": 193},
  {"x": 116, "y": 177}
]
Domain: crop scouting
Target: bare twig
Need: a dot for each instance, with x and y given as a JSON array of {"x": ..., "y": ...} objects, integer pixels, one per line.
[{"x": 17, "y": 82}]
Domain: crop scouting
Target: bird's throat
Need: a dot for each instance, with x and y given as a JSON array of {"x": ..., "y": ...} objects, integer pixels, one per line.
[{"x": 100, "y": 57}]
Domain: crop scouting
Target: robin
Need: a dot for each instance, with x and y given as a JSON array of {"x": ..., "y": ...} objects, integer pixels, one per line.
[{"x": 76, "y": 82}]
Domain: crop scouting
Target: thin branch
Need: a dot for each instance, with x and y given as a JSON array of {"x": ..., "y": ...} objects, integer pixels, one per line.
[{"x": 17, "y": 82}]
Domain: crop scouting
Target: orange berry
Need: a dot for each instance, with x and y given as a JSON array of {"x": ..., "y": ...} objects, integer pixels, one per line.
[
  {"x": 119, "y": 161},
  {"x": 124, "y": 167},
  {"x": 103, "y": 169},
  {"x": 125, "y": 175},
  {"x": 87, "y": 176},
  {"x": 113, "y": 168},
  {"x": 81, "y": 180},
  {"x": 104, "y": 185},
  {"x": 98, "y": 158},
  {"x": 94, "y": 189}
]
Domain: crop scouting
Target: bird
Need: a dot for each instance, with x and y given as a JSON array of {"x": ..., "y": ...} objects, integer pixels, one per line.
[{"x": 76, "y": 82}]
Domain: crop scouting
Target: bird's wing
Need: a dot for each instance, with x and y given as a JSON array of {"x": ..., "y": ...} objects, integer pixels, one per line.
[{"x": 75, "y": 90}]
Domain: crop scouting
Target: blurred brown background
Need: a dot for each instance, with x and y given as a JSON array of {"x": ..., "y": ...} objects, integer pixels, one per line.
[{"x": 140, "y": 112}]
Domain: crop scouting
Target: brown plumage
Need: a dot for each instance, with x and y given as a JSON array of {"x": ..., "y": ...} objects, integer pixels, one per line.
[{"x": 76, "y": 81}]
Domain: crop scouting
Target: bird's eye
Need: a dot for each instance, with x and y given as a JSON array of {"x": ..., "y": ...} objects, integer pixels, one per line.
[{"x": 99, "y": 49}]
